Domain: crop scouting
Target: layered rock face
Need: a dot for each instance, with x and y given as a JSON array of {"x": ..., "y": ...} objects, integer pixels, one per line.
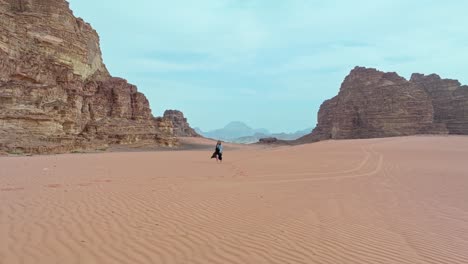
[
  {"x": 180, "y": 124},
  {"x": 450, "y": 101},
  {"x": 377, "y": 104},
  {"x": 40, "y": 38},
  {"x": 56, "y": 94},
  {"x": 374, "y": 104}
]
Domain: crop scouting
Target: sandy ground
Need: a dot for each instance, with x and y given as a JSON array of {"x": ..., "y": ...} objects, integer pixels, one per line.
[{"x": 394, "y": 200}]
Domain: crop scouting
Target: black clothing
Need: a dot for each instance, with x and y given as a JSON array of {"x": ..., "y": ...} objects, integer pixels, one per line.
[{"x": 217, "y": 153}]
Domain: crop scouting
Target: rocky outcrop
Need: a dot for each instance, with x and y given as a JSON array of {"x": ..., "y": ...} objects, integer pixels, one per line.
[
  {"x": 56, "y": 94},
  {"x": 180, "y": 124},
  {"x": 372, "y": 103},
  {"x": 449, "y": 99},
  {"x": 269, "y": 140}
]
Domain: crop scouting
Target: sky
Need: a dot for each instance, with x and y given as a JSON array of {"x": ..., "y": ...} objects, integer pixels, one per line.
[{"x": 270, "y": 63}]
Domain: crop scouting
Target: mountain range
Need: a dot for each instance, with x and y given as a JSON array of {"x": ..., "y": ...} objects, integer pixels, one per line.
[{"x": 239, "y": 132}]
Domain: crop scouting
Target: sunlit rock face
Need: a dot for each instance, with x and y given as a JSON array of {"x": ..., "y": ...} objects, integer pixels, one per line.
[
  {"x": 56, "y": 94},
  {"x": 39, "y": 36},
  {"x": 181, "y": 126}
]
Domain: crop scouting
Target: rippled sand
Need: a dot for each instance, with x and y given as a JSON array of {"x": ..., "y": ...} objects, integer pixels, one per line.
[{"x": 397, "y": 200}]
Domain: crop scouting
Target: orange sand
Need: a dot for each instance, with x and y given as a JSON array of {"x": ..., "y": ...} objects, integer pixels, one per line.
[{"x": 394, "y": 200}]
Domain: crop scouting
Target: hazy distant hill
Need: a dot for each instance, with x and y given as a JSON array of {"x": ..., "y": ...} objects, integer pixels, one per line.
[
  {"x": 239, "y": 132},
  {"x": 233, "y": 130},
  {"x": 281, "y": 136}
]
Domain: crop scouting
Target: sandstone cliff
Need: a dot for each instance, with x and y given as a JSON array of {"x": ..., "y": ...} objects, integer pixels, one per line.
[
  {"x": 449, "y": 99},
  {"x": 372, "y": 103},
  {"x": 56, "y": 94},
  {"x": 180, "y": 124}
]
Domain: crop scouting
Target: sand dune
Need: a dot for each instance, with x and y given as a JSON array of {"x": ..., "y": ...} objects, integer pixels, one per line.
[{"x": 394, "y": 200}]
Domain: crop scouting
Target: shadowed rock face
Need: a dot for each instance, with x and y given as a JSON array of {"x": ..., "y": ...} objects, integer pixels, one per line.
[
  {"x": 180, "y": 124},
  {"x": 372, "y": 104},
  {"x": 56, "y": 94},
  {"x": 450, "y": 101}
]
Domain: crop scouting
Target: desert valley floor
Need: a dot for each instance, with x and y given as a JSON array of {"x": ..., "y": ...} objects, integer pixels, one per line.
[{"x": 393, "y": 200}]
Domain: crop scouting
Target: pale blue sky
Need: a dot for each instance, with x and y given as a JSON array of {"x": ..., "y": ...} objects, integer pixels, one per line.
[{"x": 270, "y": 63}]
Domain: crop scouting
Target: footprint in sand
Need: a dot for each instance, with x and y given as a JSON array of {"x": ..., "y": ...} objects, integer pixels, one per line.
[
  {"x": 243, "y": 174},
  {"x": 239, "y": 172}
]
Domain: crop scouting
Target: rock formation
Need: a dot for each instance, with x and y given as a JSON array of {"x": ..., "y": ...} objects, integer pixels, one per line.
[
  {"x": 372, "y": 103},
  {"x": 180, "y": 124},
  {"x": 449, "y": 99},
  {"x": 56, "y": 94},
  {"x": 268, "y": 140}
]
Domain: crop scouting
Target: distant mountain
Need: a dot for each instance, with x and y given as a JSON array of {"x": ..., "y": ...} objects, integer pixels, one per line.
[
  {"x": 292, "y": 136},
  {"x": 231, "y": 131},
  {"x": 239, "y": 132},
  {"x": 281, "y": 136}
]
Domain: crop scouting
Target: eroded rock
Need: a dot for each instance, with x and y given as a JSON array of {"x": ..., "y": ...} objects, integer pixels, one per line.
[
  {"x": 56, "y": 94},
  {"x": 374, "y": 104},
  {"x": 180, "y": 124}
]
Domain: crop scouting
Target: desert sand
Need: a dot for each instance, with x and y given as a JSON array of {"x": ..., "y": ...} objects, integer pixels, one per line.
[{"x": 393, "y": 200}]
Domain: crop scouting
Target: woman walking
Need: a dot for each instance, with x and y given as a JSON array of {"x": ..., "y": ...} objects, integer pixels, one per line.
[{"x": 218, "y": 154}]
